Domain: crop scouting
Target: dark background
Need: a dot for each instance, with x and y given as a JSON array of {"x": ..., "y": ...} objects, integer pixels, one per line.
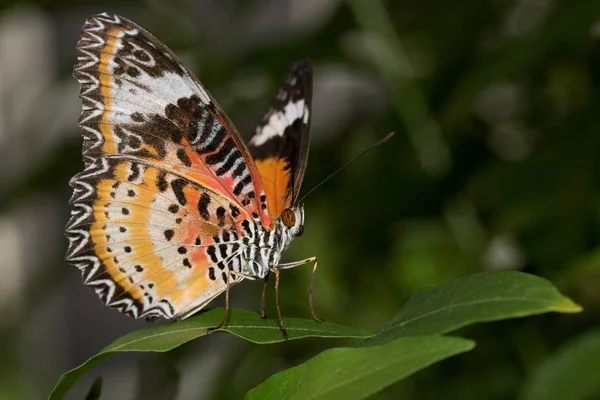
[{"x": 496, "y": 109}]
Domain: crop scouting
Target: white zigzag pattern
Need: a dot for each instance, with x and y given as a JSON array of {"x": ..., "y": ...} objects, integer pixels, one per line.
[{"x": 90, "y": 42}]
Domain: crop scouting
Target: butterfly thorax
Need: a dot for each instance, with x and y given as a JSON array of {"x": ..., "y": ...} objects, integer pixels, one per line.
[{"x": 263, "y": 246}]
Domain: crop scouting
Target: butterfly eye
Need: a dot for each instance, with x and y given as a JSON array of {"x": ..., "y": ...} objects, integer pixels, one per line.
[{"x": 288, "y": 217}]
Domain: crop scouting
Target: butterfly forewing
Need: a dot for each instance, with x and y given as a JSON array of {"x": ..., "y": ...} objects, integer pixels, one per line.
[
  {"x": 140, "y": 100},
  {"x": 280, "y": 142},
  {"x": 157, "y": 213}
]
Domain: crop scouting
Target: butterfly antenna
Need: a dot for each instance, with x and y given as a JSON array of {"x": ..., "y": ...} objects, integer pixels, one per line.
[{"x": 365, "y": 151}]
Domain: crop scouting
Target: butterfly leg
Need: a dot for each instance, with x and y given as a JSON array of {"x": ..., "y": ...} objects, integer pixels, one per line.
[
  {"x": 226, "y": 313},
  {"x": 263, "y": 299},
  {"x": 230, "y": 274},
  {"x": 312, "y": 281},
  {"x": 281, "y": 326},
  {"x": 311, "y": 305}
]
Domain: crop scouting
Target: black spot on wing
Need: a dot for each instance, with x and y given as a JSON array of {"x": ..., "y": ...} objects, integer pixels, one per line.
[
  {"x": 239, "y": 170},
  {"x": 137, "y": 117},
  {"x": 223, "y": 250},
  {"x": 203, "y": 203},
  {"x": 221, "y": 216},
  {"x": 161, "y": 181},
  {"x": 212, "y": 253},
  {"x": 183, "y": 157},
  {"x": 134, "y": 172},
  {"x": 246, "y": 227},
  {"x": 234, "y": 211},
  {"x": 177, "y": 185}
]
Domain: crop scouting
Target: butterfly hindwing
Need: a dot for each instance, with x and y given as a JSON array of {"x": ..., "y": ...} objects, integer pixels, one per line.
[
  {"x": 154, "y": 243},
  {"x": 280, "y": 142}
]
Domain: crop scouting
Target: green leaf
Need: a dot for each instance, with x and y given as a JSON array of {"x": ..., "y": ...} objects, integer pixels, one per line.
[
  {"x": 244, "y": 324},
  {"x": 570, "y": 373},
  {"x": 487, "y": 296},
  {"x": 356, "y": 373},
  {"x": 95, "y": 390}
]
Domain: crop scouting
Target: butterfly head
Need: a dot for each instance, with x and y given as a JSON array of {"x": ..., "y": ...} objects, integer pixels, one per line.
[{"x": 293, "y": 219}]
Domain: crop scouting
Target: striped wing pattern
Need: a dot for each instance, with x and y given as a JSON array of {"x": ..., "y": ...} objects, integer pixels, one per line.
[
  {"x": 280, "y": 142},
  {"x": 168, "y": 186}
]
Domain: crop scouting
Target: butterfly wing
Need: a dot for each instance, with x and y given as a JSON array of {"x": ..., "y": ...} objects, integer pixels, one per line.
[
  {"x": 140, "y": 100},
  {"x": 152, "y": 243},
  {"x": 279, "y": 145},
  {"x": 159, "y": 210}
]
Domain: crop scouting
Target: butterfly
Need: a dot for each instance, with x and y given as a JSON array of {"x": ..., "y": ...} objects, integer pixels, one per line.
[{"x": 172, "y": 208}]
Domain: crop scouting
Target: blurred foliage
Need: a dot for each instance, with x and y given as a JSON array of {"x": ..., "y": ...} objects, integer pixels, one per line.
[
  {"x": 565, "y": 373},
  {"x": 494, "y": 165}
]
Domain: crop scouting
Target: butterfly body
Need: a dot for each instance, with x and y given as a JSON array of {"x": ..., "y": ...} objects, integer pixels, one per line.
[
  {"x": 265, "y": 252},
  {"x": 172, "y": 207}
]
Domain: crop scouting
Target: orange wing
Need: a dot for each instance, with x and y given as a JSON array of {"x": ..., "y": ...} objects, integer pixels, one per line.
[{"x": 280, "y": 142}]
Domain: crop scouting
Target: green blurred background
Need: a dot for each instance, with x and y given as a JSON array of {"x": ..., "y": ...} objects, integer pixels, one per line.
[{"x": 496, "y": 109}]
